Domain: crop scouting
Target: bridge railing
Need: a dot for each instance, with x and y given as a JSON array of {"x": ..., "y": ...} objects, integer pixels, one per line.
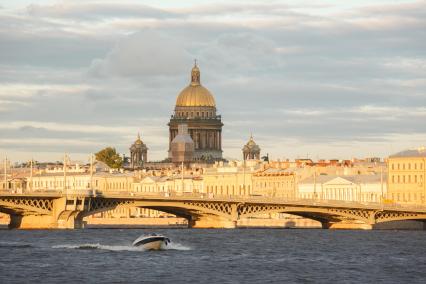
[{"x": 215, "y": 197}]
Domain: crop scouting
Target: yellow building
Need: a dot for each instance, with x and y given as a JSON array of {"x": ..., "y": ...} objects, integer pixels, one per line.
[
  {"x": 231, "y": 179},
  {"x": 274, "y": 182},
  {"x": 407, "y": 173},
  {"x": 116, "y": 182},
  {"x": 168, "y": 185}
]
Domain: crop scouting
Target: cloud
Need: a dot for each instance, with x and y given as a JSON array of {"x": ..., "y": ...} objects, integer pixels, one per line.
[
  {"x": 95, "y": 11},
  {"x": 143, "y": 54},
  {"x": 303, "y": 79}
]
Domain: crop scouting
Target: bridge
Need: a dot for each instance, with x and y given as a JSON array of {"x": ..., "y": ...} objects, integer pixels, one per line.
[{"x": 54, "y": 210}]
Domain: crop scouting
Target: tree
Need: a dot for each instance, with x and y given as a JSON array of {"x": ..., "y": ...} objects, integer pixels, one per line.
[{"x": 110, "y": 157}]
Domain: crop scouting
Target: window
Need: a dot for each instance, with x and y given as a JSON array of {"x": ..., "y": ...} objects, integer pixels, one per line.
[
  {"x": 393, "y": 166},
  {"x": 398, "y": 166}
]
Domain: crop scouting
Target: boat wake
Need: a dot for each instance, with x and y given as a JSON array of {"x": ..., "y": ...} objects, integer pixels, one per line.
[
  {"x": 171, "y": 246},
  {"x": 14, "y": 245},
  {"x": 98, "y": 247}
]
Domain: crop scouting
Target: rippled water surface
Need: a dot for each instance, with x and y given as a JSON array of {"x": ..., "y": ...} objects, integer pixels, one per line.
[{"x": 214, "y": 256}]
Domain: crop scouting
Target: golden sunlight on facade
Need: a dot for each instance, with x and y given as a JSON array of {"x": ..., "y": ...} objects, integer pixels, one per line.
[{"x": 407, "y": 173}]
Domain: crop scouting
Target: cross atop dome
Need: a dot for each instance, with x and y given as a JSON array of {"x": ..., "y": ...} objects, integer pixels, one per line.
[{"x": 195, "y": 74}]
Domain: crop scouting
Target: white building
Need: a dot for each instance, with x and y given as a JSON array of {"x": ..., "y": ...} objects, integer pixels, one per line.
[
  {"x": 168, "y": 185},
  {"x": 356, "y": 188}
]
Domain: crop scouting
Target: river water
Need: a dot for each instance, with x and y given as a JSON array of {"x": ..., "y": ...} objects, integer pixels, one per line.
[{"x": 214, "y": 256}]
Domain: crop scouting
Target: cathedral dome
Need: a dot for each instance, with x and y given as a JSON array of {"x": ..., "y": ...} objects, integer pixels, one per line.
[{"x": 195, "y": 95}]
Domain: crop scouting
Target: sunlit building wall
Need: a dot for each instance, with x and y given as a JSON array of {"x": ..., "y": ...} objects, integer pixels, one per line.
[{"x": 407, "y": 173}]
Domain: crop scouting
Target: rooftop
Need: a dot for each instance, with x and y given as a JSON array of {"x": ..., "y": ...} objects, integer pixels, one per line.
[{"x": 419, "y": 152}]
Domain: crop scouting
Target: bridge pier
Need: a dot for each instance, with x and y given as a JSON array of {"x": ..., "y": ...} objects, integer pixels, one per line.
[
  {"x": 32, "y": 222},
  {"x": 65, "y": 214},
  {"x": 346, "y": 225},
  {"x": 211, "y": 222},
  {"x": 44, "y": 222}
]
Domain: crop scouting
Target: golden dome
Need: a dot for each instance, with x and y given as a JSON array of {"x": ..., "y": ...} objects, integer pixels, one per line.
[{"x": 195, "y": 95}]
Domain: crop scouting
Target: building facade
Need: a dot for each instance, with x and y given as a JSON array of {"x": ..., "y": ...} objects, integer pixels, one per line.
[
  {"x": 354, "y": 188},
  {"x": 182, "y": 146},
  {"x": 407, "y": 174},
  {"x": 276, "y": 183},
  {"x": 196, "y": 107}
]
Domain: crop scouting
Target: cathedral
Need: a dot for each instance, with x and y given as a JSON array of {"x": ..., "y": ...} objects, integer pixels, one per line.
[{"x": 196, "y": 107}]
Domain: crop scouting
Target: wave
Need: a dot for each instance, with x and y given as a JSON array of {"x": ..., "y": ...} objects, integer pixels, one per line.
[
  {"x": 14, "y": 245},
  {"x": 170, "y": 246},
  {"x": 177, "y": 246}
]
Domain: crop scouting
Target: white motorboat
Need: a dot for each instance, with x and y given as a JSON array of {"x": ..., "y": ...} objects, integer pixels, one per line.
[{"x": 152, "y": 242}]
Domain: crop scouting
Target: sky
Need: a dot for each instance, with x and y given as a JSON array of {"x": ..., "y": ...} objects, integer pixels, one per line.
[{"x": 324, "y": 80}]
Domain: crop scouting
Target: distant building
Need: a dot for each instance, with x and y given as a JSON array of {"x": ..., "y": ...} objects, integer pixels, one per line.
[
  {"x": 274, "y": 182},
  {"x": 138, "y": 154},
  {"x": 353, "y": 188},
  {"x": 407, "y": 172},
  {"x": 230, "y": 179},
  {"x": 251, "y": 151},
  {"x": 182, "y": 146}
]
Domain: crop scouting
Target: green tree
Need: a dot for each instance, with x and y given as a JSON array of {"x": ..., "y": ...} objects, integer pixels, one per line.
[{"x": 110, "y": 157}]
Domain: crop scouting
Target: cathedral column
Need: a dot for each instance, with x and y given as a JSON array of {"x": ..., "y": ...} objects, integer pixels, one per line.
[{"x": 217, "y": 140}]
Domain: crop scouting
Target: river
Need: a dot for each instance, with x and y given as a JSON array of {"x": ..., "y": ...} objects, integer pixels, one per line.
[{"x": 213, "y": 256}]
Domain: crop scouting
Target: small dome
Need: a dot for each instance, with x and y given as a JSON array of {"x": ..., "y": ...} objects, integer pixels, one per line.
[
  {"x": 251, "y": 145},
  {"x": 138, "y": 143},
  {"x": 195, "y": 95}
]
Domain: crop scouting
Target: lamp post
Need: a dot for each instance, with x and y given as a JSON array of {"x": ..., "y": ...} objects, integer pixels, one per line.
[
  {"x": 381, "y": 187},
  {"x": 183, "y": 185},
  {"x": 31, "y": 175},
  {"x": 65, "y": 174},
  {"x": 91, "y": 175},
  {"x": 5, "y": 174}
]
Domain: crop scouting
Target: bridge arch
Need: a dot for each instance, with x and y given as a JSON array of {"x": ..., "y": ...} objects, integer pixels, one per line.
[
  {"x": 190, "y": 210},
  {"x": 315, "y": 213}
]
